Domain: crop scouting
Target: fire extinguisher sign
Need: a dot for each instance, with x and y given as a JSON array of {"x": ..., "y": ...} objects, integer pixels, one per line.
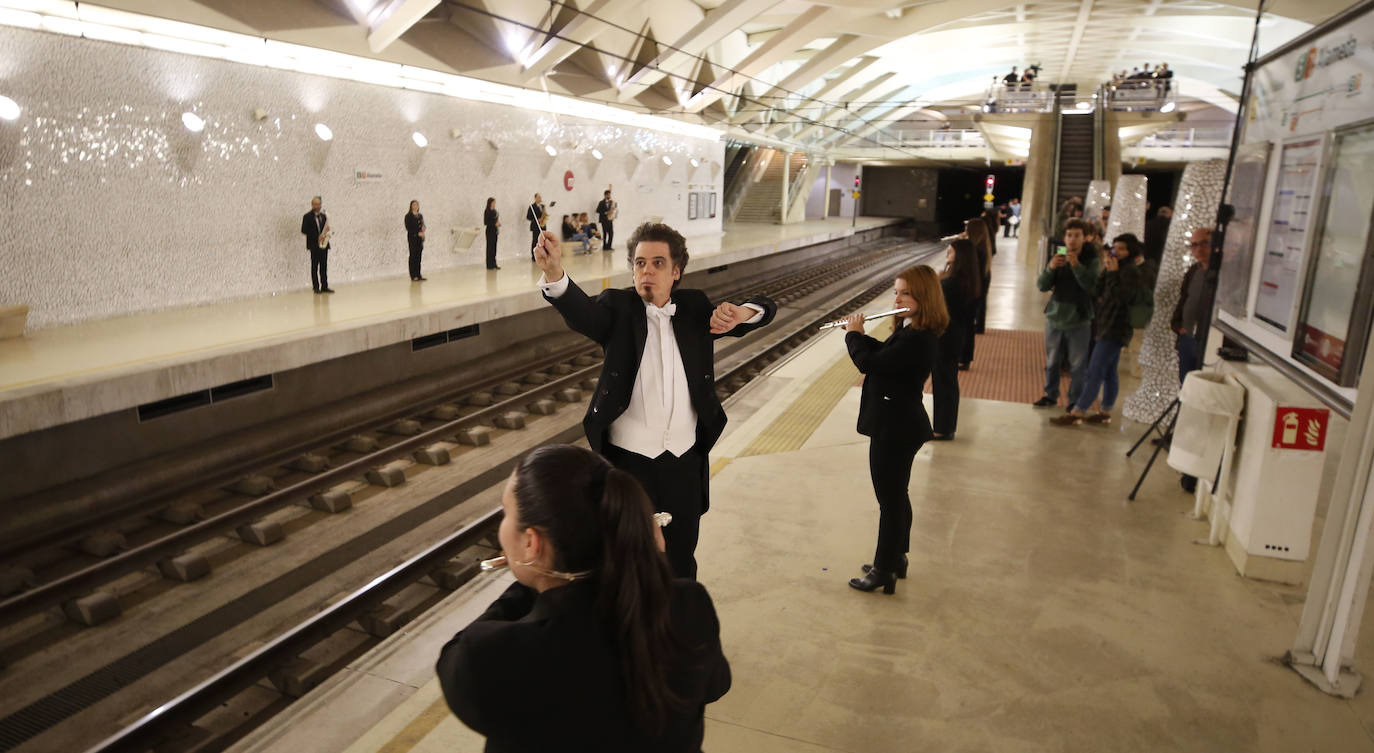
[{"x": 1300, "y": 428}]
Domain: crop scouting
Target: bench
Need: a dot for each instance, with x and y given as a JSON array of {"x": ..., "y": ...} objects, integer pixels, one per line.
[{"x": 12, "y": 321}]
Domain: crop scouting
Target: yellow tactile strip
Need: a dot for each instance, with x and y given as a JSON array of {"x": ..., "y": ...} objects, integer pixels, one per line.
[{"x": 790, "y": 430}]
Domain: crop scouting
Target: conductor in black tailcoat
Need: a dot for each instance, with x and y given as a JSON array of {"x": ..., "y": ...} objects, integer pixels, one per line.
[
  {"x": 655, "y": 413},
  {"x": 313, "y": 224}
]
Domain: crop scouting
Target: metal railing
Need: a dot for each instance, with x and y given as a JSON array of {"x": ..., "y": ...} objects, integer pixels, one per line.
[
  {"x": 1141, "y": 95},
  {"x": 1022, "y": 97},
  {"x": 929, "y": 139},
  {"x": 1181, "y": 135}
]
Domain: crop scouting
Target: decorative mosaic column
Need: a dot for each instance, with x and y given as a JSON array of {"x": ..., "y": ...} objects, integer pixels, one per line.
[
  {"x": 1099, "y": 196},
  {"x": 1199, "y": 195},
  {"x": 1128, "y": 208}
]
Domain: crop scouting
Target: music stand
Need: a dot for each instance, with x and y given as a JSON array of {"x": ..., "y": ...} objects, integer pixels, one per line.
[{"x": 1162, "y": 441}]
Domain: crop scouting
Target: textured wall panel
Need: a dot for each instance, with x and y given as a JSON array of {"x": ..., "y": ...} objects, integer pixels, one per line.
[
  {"x": 1199, "y": 195},
  {"x": 112, "y": 206}
]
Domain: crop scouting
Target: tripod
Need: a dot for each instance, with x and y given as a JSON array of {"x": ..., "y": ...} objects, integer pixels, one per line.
[{"x": 1165, "y": 437}]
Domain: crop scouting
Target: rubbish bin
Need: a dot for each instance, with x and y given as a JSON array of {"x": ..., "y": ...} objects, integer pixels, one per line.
[{"x": 1210, "y": 405}]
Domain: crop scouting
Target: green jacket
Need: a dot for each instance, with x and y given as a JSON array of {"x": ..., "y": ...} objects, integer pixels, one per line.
[{"x": 1071, "y": 306}]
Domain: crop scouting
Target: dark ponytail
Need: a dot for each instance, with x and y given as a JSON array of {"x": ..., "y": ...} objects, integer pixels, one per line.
[
  {"x": 636, "y": 585},
  {"x": 600, "y": 519}
]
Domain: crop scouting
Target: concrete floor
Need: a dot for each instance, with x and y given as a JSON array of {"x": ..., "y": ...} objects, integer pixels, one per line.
[{"x": 1044, "y": 612}]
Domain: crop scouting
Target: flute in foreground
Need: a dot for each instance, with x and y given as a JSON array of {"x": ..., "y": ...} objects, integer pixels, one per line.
[
  {"x": 841, "y": 322},
  {"x": 496, "y": 563}
]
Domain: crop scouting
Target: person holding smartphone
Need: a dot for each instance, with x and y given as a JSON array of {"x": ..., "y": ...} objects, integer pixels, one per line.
[{"x": 1071, "y": 279}]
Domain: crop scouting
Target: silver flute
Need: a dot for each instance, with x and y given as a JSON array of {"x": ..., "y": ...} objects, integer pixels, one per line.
[
  {"x": 841, "y": 322},
  {"x": 662, "y": 519}
]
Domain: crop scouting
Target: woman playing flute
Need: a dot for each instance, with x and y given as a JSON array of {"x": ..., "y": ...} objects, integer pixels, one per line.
[
  {"x": 892, "y": 415},
  {"x": 595, "y": 646}
]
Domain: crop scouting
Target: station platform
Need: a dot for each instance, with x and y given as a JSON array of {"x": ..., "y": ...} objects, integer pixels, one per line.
[
  {"x": 1044, "y": 612},
  {"x": 64, "y": 374}
]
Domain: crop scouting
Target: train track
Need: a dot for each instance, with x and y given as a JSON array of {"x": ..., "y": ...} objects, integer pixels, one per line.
[{"x": 405, "y": 480}]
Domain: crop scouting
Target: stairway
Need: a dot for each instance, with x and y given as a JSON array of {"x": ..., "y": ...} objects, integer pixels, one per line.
[
  {"x": 1075, "y": 156},
  {"x": 763, "y": 202}
]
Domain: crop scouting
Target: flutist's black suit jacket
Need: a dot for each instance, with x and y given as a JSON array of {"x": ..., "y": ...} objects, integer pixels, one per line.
[
  {"x": 895, "y": 372},
  {"x": 537, "y": 672},
  {"x": 616, "y": 321},
  {"x": 311, "y": 231}
]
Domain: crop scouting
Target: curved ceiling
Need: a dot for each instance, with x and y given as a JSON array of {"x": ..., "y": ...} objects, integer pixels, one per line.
[{"x": 799, "y": 71}]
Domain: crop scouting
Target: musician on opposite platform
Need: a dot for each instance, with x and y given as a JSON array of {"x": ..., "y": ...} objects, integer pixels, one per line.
[
  {"x": 315, "y": 228},
  {"x": 606, "y": 210},
  {"x": 538, "y": 216},
  {"x": 415, "y": 238},
  {"x": 655, "y": 413}
]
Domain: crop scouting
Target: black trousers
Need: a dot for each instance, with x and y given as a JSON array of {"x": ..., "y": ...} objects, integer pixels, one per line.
[
  {"x": 944, "y": 379},
  {"x": 607, "y": 232},
  {"x": 534, "y": 241},
  {"x": 674, "y": 485},
  {"x": 491, "y": 247},
  {"x": 889, "y": 463},
  {"x": 319, "y": 269},
  {"x": 417, "y": 248}
]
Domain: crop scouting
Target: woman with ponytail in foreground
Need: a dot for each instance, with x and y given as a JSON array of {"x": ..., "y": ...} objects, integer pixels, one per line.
[{"x": 596, "y": 646}]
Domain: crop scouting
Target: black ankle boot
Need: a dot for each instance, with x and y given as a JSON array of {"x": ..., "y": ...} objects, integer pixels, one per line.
[
  {"x": 901, "y": 569},
  {"x": 874, "y": 580}
]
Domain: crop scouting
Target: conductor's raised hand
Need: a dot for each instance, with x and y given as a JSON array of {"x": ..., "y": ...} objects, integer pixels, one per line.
[
  {"x": 548, "y": 254},
  {"x": 854, "y": 322},
  {"x": 727, "y": 315}
]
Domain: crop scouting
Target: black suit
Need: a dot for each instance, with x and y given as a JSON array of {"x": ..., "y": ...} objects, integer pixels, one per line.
[
  {"x": 414, "y": 224},
  {"x": 945, "y": 376},
  {"x": 319, "y": 257},
  {"x": 538, "y": 672},
  {"x": 490, "y": 218},
  {"x": 892, "y": 415},
  {"x": 603, "y": 208},
  {"x": 535, "y": 214},
  {"x": 616, "y": 320}
]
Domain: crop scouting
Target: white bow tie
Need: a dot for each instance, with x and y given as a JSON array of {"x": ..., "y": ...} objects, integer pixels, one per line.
[{"x": 664, "y": 312}]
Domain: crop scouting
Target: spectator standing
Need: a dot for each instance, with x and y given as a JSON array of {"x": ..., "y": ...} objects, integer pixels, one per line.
[
  {"x": 1071, "y": 279},
  {"x": 415, "y": 239},
  {"x": 1118, "y": 288},
  {"x": 1193, "y": 302},
  {"x": 1156, "y": 233}
]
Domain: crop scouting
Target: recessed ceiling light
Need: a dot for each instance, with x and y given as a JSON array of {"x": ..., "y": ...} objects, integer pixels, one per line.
[
  {"x": 667, "y": 161},
  {"x": 596, "y": 153},
  {"x": 551, "y": 151},
  {"x": 419, "y": 139},
  {"x": 1168, "y": 107},
  {"x": 193, "y": 122},
  {"x": 695, "y": 162},
  {"x": 323, "y": 132},
  {"x": 9, "y": 109},
  {"x": 1084, "y": 105}
]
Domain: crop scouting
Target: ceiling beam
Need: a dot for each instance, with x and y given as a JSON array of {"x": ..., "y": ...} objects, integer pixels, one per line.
[
  {"x": 823, "y": 61},
  {"x": 578, "y": 33},
  {"x": 395, "y": 19},
  {"x": 860, "y": 118},
  {"x": 834, "y": 113},
  {"x": 816, "y": 21},
  {"x": 1080, "y": 27},
  {"x": 725, "y": 18}
]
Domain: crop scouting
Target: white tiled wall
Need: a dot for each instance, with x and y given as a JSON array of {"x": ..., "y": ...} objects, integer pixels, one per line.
[{"x": 111, "y": 206}]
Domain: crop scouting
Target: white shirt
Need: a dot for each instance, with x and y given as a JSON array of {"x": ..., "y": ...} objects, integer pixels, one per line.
[{"x": 660, "y": 415}]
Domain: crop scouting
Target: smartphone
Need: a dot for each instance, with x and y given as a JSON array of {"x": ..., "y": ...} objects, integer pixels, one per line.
[{"x": 1061, "y": 250}]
